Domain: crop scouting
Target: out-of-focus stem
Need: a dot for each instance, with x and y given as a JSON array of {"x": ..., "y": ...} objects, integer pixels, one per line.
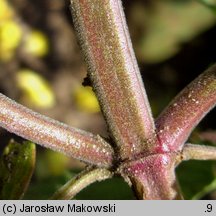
[
  {"x": 198, "y": 152},
  {"x": 53, "y": 134},
  {"x": 208, "y": 136},
  {"x": 175, "y": 124},
  {"x": 112, "y": 67},
  {"x": 205, "y": 191},
  {"x": 82, "y": 180}
]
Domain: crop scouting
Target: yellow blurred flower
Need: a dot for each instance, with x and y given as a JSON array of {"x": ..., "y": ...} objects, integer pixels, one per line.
[
  {"x": 86, "y": 100},
  {"x": 36, "y": 43},
  {"x": 36, "y": 90},
  {"x": 6, "y": 11},
  {"x": 10, "y": 37}
]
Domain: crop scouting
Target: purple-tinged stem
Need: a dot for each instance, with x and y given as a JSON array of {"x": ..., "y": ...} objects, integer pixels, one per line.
[
  {"x": 175, "y": 124},
  {"x": 82, "y": 180},
  {"x": 198, "y": 152},
  {"x": 53, "y": 134},
  {"x": 153, "y": 177},
  {"x": 208, "y": 136},
  {"x": 112, "y": 67}
]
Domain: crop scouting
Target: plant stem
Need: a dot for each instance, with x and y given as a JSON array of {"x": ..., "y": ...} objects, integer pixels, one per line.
[
  {"x": 177, "y": 121},
  {"x": 53, "y": 134},
  {"x": 152, "y": 177},
  {"x": 113, "y": 70},
  {"x": 82, "y": 180},
  {"x": 198, "y": 152},
  {"x": 208, "y": 136},
  {"x": 206, "y": 190}
]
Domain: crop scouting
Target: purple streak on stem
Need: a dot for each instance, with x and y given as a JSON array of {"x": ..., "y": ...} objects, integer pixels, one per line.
[
  {"x": 177, "y": 121},
  {"x": 113, "y": 70},
  {"x": 53, "y": 134},
  {"x": 153, "y": 177}
]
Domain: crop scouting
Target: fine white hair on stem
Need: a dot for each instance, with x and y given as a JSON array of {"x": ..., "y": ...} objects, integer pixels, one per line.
[
  {"x": 52, "y": 134},
  {"x": 187, "y": 109},
  {"x": 198, "y": 152},
  {"x": 112, "y": 67}
]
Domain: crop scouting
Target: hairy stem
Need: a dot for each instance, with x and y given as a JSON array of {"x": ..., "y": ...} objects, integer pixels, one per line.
[
  {"x": 82, "y": 180},
  {"x": 175, "y": 124},
  {"x": 198, "y": 152},
  {"x": 152, "y": 177},
  {"x": 113, "y": 70},
  {"x": 53, "y": 134}
]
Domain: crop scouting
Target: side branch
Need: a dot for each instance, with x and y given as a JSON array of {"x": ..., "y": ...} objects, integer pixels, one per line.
[
  {"x": 175, "y": 124},
  {"x": 198, "y": 152},
  {"x": 112, "y": 67},
  {"x": 53, "y": 134},
  {"x": 82, "y": 180}
]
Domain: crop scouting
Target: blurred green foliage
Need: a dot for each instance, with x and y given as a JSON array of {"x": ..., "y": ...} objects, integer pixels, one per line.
[
  {"x": 16, "y": 164},
  {"x": 195, "y": 177},
  {"x": 210, "y": 4},
  {"x": 166, "y": 25}
]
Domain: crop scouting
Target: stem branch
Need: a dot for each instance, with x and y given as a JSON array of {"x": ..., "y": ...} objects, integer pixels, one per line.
[
  {"x": 53, "y": 134},
  {"x": 82, "y": 180},
  {"x": 177, "y": 121},
  {"x": 198, "y": 152}
]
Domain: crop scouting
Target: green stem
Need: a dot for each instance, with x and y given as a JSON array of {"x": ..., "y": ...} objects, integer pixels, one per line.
[
  {"x": 82, "y": 180},
  {"x": 209, "y": 188}
]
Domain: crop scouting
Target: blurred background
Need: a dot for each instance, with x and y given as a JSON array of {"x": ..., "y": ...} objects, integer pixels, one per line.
[{"x": 42, "y": 68}]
